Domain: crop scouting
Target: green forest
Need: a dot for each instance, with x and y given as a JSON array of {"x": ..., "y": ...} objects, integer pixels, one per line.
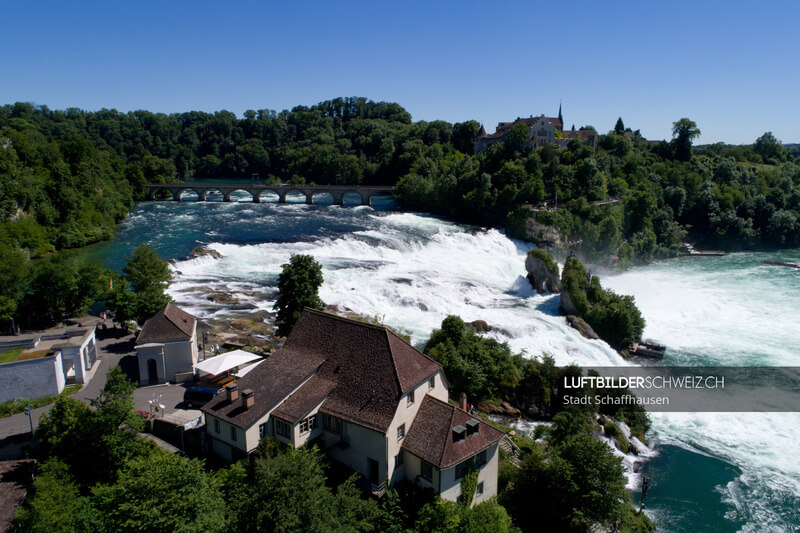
[{"x": 68, "y": 176}]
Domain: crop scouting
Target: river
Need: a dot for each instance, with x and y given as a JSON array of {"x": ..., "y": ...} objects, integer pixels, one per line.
[{"x": 711, "y": 472}]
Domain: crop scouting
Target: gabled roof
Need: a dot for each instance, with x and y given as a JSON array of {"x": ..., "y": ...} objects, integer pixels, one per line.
[
  {"x": 360, "y": 371},
  {"x": 171, "y": 323},
  {"x": 371, "y": 366},
  {"x": 304, "y": 399},
  {"x": 271, "y": 382},
  {"x": 431, "y": 434}
]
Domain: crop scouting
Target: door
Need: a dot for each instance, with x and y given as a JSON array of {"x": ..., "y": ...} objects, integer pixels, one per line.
[
  {"x": 152, "y": 372},
  {"x": 373, "y": 471}
]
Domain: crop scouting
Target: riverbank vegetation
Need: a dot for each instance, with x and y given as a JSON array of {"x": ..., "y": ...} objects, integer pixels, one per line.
[{"x": 491, "y": 374}]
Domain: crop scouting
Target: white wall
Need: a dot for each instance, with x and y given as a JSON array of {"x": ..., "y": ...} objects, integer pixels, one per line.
[
  {"x": 32, "y": 379},
  {"x": 405, "y": 415},
  {"x": 451, "y": 487},
  {"x": 179, "y": 356},
  {"x": 144, "y": 353}
]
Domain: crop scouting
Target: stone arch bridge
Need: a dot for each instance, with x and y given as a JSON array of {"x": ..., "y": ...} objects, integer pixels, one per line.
[{"x": 309, "y": 191}]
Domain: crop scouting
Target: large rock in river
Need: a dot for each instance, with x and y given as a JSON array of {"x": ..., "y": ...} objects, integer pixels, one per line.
[
  {"x": 542, "y": 271},
  {"x": 567, "y": 307},
  {"x": 582, "y": 326}
]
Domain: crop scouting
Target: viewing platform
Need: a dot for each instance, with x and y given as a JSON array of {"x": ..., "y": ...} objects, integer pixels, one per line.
[{"x": 202, "y": 190}]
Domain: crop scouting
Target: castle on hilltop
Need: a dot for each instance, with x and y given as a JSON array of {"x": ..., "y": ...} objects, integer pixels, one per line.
[{"x": 542, "y": 131}]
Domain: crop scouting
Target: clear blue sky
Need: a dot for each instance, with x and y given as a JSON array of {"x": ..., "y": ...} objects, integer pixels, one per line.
[{"x": 732, "y": 67}]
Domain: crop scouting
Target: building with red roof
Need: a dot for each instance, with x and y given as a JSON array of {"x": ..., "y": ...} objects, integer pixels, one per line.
[{"x": 367, "y": 398}]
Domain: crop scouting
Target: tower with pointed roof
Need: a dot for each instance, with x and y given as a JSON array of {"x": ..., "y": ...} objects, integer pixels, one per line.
[{"x": 560, "y": 118}]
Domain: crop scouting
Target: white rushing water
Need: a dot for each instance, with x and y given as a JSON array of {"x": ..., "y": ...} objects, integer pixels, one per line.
[{"x": 411, "y": 271}]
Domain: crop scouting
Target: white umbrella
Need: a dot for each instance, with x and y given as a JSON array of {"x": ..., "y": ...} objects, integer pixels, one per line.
[
  {"x": 221, "y": 363},
  {"x": 241, "y": 373}
]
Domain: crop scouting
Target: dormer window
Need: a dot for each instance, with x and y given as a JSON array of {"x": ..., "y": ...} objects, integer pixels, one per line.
[
  {"x": 473, "y": 426},
  {"x": 459, "y": 433}
]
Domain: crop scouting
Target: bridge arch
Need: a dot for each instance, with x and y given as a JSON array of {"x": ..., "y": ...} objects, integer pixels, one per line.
[
  {"x": 215, "y": 193},
  {"x": 177, "y": 194},
  {"x": 363, "y": 198},
  {"x": 268, "y": 195},
  {"x": 295, "y": 191},
  {"x": 227, "y": 194},
  {"x": 327, "y": 197}
]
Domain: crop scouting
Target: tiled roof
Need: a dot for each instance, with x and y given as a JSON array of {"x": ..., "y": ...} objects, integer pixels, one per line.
[
  {"x": 431, "y": 435},
  {"x": 271, "y": 382},
  {"x": 360, "y": 370},
  {"x": 169, "y": 324},
  {"x": 304, "y": 399},
  {"x": 370, "y": 365}
]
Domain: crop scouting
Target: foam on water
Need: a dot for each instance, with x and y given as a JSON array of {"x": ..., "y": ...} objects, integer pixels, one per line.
[{"x": 411, "y": 272}]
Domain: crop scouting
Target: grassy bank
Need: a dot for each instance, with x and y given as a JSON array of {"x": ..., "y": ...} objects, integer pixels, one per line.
[{"x": 13, "y": 407}]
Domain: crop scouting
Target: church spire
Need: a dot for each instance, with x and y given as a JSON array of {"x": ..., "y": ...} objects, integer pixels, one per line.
[{"x": 560, "y": 118}]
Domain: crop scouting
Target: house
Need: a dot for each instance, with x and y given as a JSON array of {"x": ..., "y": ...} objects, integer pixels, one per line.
[
  {"x": 47, "y": 362},
  {"x": 541, "y": 131},
  {"x": 368, "y": 399},
  {"x": 167, "y": 346}
]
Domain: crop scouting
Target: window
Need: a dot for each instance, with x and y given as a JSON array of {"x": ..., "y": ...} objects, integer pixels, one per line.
[
  {"x": 283, "y": 428},
  {"x": 401, "y": 431},
  {"x": 432, "y": 382},
  {"x": 410, "y": 397},
  {"x": 216, "y": 425},
  {"x": 426, "y": 471},
  {"x": 307, "y": 424},
  {"x": 233, "y": 433},
  {"x": 331, "y": 423},
  {"x": 398, "y": 460},
  {"x": 262, "y": 431},
  {"x": 461, "y": 468},
  {"x": 480, "y": 459},
  {"x": 479, "y": 489}
]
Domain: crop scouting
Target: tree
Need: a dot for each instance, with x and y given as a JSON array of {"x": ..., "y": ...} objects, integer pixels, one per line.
[
  {"x": 287, "y": 493},
  {"x": 518, "y": 136},
  {"x": 684, "y": 132},
  {"x": 769, "y": 148},
  {"x": 56, "y": 505},
  {"x": 298, "y": 284},
  {"x": 162, "y": 492},
  {"x": 149, "y": 276},
  {"x": 619, "y": 127},
  {"x": 145, "y": 270}
]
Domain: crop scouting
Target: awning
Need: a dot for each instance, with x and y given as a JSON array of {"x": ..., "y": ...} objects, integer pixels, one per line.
[{"x": 221, "y": 363}]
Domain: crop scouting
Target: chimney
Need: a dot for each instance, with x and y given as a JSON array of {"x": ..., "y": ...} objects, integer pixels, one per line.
[
  {"x": 473, "y": 426},
  {"x": 462, "y": 401},
  {"x": 232, "y": 392},
  {"x": 247, "y": 398}
]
